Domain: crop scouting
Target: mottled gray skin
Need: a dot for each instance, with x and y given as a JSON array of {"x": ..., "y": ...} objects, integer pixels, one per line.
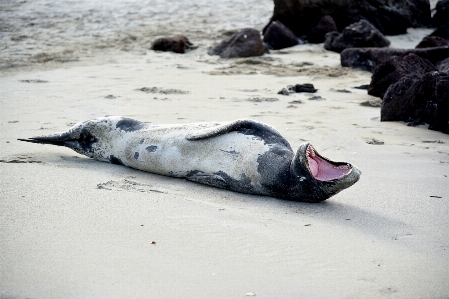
[{"x": 244, "y": 155}]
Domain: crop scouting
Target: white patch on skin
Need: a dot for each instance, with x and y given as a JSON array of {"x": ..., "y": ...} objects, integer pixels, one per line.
[{"x": 233, "y": 153}]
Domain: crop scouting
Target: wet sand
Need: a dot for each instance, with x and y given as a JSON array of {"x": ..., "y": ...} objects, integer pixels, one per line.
[{"x": 77, "y": 228}]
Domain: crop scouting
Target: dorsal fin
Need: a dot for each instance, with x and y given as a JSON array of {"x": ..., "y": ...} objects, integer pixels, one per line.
[{"x": 246, "y": 126}]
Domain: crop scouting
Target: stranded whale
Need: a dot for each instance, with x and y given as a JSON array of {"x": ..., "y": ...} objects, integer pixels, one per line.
[{"x": 243, "y": 155}]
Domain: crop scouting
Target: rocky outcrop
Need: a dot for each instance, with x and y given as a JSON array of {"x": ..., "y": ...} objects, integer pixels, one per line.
[
  {"x": 424, "y": 100},
  {"x": 358, "y": 35},
  {"x": 325, "y": 25},
  {"x": 245, "y": 43},
  {"x": 297, "y": 88},
  {"x": 277, "y": 36},
  {"x": 442, "y": 31},
  {"x": 368, "y": 58},
  {"x": 432, "y": 41},
  {"x": 394, "y": 68},
  {"x": 443, "y": 65},
  {"x": 177, "y": 44},
  {"x": 441, "y": 15},
  {"x": 390, "y": 17}
]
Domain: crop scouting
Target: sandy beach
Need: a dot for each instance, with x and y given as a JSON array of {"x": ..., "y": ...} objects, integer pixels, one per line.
[{"x": 72, "y": 227}]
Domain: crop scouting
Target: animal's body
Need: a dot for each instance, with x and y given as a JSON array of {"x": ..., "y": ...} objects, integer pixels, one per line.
[{"x": 244, "y": 155}]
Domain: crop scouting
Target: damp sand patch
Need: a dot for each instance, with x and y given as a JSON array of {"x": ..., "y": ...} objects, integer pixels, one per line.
[
  {"x": 162, "y": 90},
  {"x": 254, "y": 66}
]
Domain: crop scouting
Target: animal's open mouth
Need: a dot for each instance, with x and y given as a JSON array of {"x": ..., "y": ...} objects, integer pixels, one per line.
[{"x": 324, "y": 170}]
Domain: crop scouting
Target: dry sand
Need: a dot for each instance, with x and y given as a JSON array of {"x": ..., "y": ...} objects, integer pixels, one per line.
[{"x": 72, "y": 227}]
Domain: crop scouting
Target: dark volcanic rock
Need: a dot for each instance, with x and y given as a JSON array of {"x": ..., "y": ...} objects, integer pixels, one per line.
[
  {"x": 306, "y": 87},
  {"x": 368, "y": 58},
  {"x": 245, "y": 43},
  {"x": 432, "y": 41},
  {"x": 325, "y": 25},
  {"x": 441, "y": 15},
  {"x": 358, "y": 35},
  {"x": 177, "y": 44},
  {"x": 396, "y": 67},
  {"x": 390, "y": 17},
  {"x": 419, "y": 100},
  {"x": 277, "y": 36},
  {"x": 442, "y": 31},
  {"x": 443, "y": 65}
]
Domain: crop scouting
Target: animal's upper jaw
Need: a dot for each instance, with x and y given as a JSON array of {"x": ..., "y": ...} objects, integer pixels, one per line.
[{"x": 323, "y": 169}]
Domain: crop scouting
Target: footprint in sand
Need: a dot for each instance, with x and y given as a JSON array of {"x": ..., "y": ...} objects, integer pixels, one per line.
[
  {"x": 130, "y": 185},
  {"x": 24, "y": 158}
]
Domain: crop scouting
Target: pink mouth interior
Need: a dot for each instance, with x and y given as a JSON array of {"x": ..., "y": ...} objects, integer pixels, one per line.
[{"x": 324, "y": 170}]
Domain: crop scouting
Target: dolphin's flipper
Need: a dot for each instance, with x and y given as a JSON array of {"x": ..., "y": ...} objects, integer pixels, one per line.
[
  {"x": 237, "y": 125},
  {"x": 208, "y": 179}
]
